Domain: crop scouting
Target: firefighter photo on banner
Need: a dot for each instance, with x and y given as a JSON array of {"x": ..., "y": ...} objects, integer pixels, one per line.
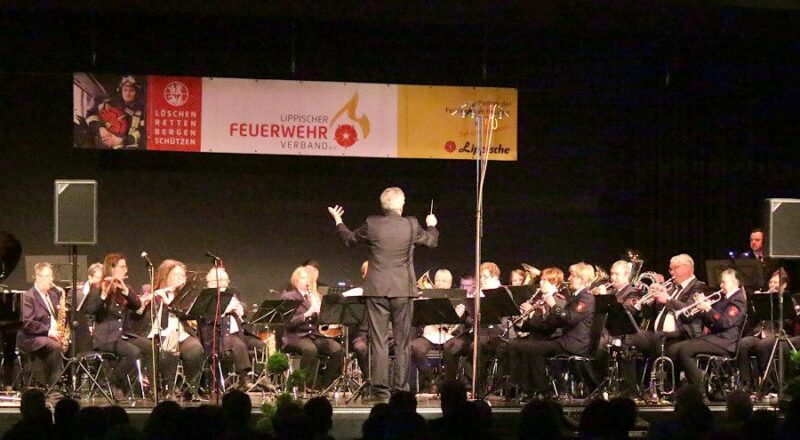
[{"x": 109, "y": 111}]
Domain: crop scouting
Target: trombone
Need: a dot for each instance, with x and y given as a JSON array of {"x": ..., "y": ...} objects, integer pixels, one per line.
[{"x": 693, "y": 308}]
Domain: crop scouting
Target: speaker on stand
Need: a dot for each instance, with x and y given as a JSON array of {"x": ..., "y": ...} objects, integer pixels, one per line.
[
  {"x": 782, "y": 223},
  {"x": 75, "y": 223}
]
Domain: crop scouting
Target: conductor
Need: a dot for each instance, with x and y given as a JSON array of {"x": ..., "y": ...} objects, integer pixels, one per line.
[{"x": 390, "y": 285}]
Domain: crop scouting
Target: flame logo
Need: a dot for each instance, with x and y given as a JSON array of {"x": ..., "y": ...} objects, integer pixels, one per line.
[{"x": 350, "y": 108}]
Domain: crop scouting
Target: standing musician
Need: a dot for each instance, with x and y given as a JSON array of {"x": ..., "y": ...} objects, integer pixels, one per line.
[
  {"x": 234, "y": 338},
  {"x": 536, "y": 325},
  {"x": 724, "y": 319},
  {"x": 176, "y": 340},
  {"x": 39, "y": 335},
  {"x": 574, "y": 319},
  {"x": 302, "y": 334},
  {"x": 391, "y": 284},
  {"x": 768, "y": 265},
  {"x": 110, "y": 301}
]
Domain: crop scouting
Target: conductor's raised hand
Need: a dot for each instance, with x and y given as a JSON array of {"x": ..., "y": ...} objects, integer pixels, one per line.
[
  {"x": 430, "y": 220},
  {"x": 336, "y": 212}
]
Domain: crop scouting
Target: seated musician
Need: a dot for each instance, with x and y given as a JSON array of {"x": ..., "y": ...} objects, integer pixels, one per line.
[
  {"x": 234, "y": 337},
  {"x": 517, "y": 277},
  {"x": 626, "y": 294},
  {"x": 421, "y": 345},
  {"x": 535, "y": 324},
  {"x": 574, "y": 319},
  {"x": 39, "y": 335},
  {"x": 759, "y": 337},
  {"x": 81, "y": 336},
  {"x": 302, "y": 334},
  {"x": 110, "y": 301},
  {"x": 665, "y": 328},
  {"x": 724, "y": 320},
  {"x": 176, "y": 338}
]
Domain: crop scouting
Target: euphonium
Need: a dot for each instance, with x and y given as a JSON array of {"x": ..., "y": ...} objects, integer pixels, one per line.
[
  {"x": 530, "y": 274},
  {"x": 424, "y": 282}
]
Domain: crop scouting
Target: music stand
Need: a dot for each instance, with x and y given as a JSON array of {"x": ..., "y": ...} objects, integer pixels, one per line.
[
  {"x": 750, "y": 272},
  {"x": 765, "y": 310},
  {"x": 521, "y": 294},
  {"x": 346, "y": 312},
  {"x": 436, "y": 312},
  {"x": 496, "y": 305},
  {"x": 619, "y": 324},
  {"x": 271, "y": 311}
]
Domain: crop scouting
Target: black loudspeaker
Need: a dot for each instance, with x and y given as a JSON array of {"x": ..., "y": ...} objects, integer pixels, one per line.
[
  {"x": 783, "y": 228},
  {"x": 75, "y": 212}
]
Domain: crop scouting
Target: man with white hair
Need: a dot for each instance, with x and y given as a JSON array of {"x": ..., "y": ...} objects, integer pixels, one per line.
[
  {"x": 233, "y": 336},
  {"x": 391, "y": 283}
]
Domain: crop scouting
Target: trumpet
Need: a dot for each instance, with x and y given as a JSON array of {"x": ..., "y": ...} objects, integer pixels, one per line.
[
  {"x": 595, "y": 290},
  {"x": 693, "y": 308},
  {"x": 649, "y": 297}
]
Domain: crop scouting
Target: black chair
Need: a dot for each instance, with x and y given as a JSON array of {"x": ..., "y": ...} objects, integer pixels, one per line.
[
  {"x": 721, "y": 370},
  {"x": 581, "y": 363}
]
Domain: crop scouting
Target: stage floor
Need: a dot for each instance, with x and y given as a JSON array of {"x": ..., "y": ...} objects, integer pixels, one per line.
[{"x": 348, "y": 418}]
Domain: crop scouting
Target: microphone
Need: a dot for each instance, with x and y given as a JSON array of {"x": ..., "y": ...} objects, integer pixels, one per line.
[
  {"x": 212, "y": 256},
  {"x": 146, "y": 259}
]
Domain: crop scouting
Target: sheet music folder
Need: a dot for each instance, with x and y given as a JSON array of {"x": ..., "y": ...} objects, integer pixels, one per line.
[
  {"x": 205, "y": 306},
  {"x": 429, "y": 311}
]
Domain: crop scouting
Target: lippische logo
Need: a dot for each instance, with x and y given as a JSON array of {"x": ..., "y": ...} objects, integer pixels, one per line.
[
  {"x": 176, "y": 93},
  {"x": 346, "y": 134}
]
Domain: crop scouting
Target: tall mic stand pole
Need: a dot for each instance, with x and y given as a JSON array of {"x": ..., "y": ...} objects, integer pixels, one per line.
[
  {"x": 214, "y": 336},
  {"x": 482, "y": 114},
  {"x": 155, "y": 346}
]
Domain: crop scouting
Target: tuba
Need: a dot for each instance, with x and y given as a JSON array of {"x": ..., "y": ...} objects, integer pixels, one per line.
[
  {"x": 531, "y": 273},
  {"x": 424, "y": 282}
]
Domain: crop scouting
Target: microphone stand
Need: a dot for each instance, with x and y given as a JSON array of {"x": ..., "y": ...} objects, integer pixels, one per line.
[
  {"x": 154, "y": 322},
  {"x": 486, "y": 116},
  {"x": 214, "y": 336}
]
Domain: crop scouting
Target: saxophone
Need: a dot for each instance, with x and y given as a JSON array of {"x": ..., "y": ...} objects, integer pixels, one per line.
[{"x": 62, "y": 325}]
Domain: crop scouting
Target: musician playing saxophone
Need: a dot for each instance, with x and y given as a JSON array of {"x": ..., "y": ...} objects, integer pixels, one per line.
[
  {"x": 724, "y": 319},
  {"x": 38, "y": 335}
]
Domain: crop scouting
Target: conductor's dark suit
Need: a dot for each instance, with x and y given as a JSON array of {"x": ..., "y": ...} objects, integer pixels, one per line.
[{"x": 390, "y": 287}]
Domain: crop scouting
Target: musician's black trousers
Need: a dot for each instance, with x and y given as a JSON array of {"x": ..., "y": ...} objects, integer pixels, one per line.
[
  {"x": 240, "y": 348},
  {"x": 127, "y": 355},
  {"x": 419, "y": 356},
  {"x": 380, "y": 311},
  {"x": 48, "y": 363},
  {"x": 682, "y": 354},
  {"x": 309, "y": 348}
]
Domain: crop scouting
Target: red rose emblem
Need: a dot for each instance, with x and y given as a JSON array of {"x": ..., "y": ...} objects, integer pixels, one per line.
[
  {"x": 450, "y": 146},
  {"x": 346, "y": 135}
]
